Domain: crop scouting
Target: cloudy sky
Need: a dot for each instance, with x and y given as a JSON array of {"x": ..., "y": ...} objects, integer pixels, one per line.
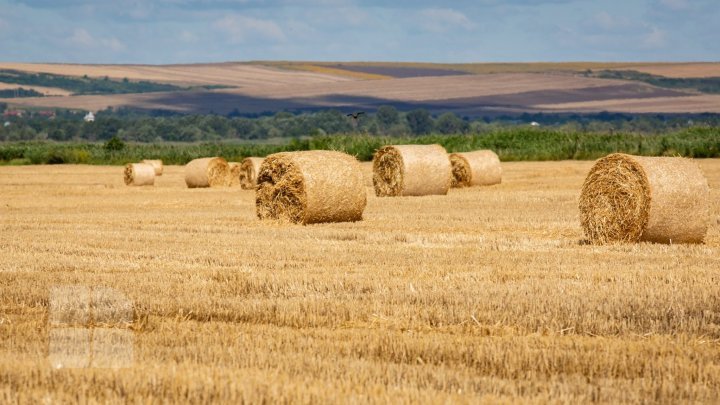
[{"x": 181, "y": 31}]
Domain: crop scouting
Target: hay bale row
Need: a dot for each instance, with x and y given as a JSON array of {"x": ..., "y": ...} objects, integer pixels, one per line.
[
  {"x": 310, "y": 187},
  {"x": 479, "y": 168},
  {"x": 139, "y": 174},
  {"x": 207, "y": 172},
  {"x": 249, "y": 170},
  {"x": 655, "y": 199},
  {"x": 233, "y": 178}
]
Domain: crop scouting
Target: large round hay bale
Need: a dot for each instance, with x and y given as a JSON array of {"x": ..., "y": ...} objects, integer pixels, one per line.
[
  {"x": 156, "y": 164},
  {"x": 655, "y": 199},
  {"x": 206, "y": 172},
  {"x": 139, "y": 174},
  {"x": 411, "y": 170},
  {"x": 249, "y": 170},
  {"x": 310, "y": 187},
  {"x": 234, "y": 170},
  {"x": 478, "y": 168}
]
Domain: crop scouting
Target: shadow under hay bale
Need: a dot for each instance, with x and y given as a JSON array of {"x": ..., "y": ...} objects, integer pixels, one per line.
[
  {"x": 310, "y": 187},
  {"x": 206, "y": 172},
  {"x": 478, "y": 168},
  {"x": 411, "y": 170},
  {"x": 156, "y": 164},
  {"x": 655, "y": 199},
  {"x": 139, "y": 174},
  {"x": 249, "y": 169}
]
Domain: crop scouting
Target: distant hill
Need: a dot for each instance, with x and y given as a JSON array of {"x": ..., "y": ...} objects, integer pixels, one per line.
[{"x": 467, "y": 89}]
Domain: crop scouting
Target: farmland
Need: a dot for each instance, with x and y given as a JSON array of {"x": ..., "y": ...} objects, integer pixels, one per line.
[
  {"x": 467, "y": 89},
  {"x": 484, "y": 294}
]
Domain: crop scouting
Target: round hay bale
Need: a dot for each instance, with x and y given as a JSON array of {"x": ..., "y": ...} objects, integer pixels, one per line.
[
  {"x": 411, "y": 170},
  {"x": 139, "y": 174},
  {"x": 206, "y": 172},
  {"x": 249, "y": 170},
  {"x": 234, "y": 171},
  {"x": 310, "y": 187},
  {"x": 156, "y": 164},
  {"x": 655, "y": 199},
  {"x": 479, "y": 168}
]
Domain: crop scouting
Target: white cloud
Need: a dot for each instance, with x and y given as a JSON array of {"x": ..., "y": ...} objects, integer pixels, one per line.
[
  {"x": 82, "y": 38},
  {"x": 188, "y": 37},
  {"x": 239, "y": 28},
  {"x": 440, "y": 20}
]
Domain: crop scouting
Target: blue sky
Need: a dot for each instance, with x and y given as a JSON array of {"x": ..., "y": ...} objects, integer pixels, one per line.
[{"x": 184, "y": 31}]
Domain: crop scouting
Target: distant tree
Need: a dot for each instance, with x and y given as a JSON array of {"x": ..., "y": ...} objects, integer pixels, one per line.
[
  {"x": 420, "y": 121},
  {"x": 387, "y": 116},
  {"x": 114, "y": 144},
  {"x": 449, "y": 123}
]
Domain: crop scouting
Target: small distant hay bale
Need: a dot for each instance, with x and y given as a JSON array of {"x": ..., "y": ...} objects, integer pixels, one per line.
[
  {"x": 310, "y": 187},
  {"x": 479, "y": 168},
  {"x": 139, "y": 174},
  {"x": 206, "y": 172},
  {"x": 249, "y": 169},
  {"x": 411, "y": 170},
  {"x": 654, "y": 199},
  {"x": 156, "y": 164},
  {"x": 234, "y": 171}
]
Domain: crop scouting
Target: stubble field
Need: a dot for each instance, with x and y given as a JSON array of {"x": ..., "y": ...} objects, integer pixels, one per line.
[{"x": 485, "y": 294}]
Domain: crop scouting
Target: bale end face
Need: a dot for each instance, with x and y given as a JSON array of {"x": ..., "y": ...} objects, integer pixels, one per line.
[
  {"x": 388, "y": 172},
  {"x": 281, "y": 191},
  {"x": 462, "y": 173}
]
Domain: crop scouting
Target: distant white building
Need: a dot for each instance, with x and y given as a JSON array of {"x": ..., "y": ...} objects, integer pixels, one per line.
[
  {"x": 89, "y": 117},
  {"x": 534, "y": 124}
]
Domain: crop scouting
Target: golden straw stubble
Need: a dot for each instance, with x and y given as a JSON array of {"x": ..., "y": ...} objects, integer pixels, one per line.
[
  {"x": 310, "y": 187},
  {"x": 139, "y": 174},
  {"x": 629, "y": 198},
  {"x": 411, "y": 170},
  {"x": 249, "y": 169},
  {"x": 207, "y": 172},
  {"x": 478, "y": 168}
]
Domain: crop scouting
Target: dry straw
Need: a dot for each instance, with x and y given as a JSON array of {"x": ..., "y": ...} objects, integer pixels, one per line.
[
  {"x": 411, "y": 170},
  {"x": 234, "y": 171},
  {"x": 139, "y": 174},
  {"x": 479, "y": 168},
  {"x": 156, "y": 164},
  {"x": 249, "y": 170},
  {"x": 206, "y": 172},
  {"x": 310, "y": 187},
  {"x": 655, "y": 199}
]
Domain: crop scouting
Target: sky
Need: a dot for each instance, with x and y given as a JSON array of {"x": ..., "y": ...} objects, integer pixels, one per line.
[{"x": 187, "y": 31}]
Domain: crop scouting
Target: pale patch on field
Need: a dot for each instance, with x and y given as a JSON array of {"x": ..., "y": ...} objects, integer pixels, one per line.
[
  {"x": 483, "y": 294},
  {"x": 690, "y": 104},
  {"x": 48, "y": 91},
  {"x": 682, "y": 70},
  {"x": 228, "y": 74}
]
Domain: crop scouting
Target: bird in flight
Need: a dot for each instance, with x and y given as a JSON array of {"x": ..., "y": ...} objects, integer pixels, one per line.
[{"x": 356, "y": 115}]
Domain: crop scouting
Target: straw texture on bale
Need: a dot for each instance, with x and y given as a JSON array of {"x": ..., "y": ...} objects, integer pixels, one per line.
[
  {"x": 310, "y": 187},
  {"x": 478, "y": 168},
  {"x": 233, "y": 174},
  {"x": 156, "y": 164},
  {"x": 139, "y": 174},
  {"x": 249, "y": 170},
  {"x": 411, "y": 170},
  {"x": 654, "y": 199},
  {"x": 206, "y": 172}
]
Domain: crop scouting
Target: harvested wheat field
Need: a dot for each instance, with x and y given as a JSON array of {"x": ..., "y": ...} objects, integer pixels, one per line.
[{"x": 487, "y": 294}]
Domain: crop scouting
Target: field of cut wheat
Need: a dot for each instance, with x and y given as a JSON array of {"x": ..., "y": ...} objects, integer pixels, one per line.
[{"x": 113, "y": 293}]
